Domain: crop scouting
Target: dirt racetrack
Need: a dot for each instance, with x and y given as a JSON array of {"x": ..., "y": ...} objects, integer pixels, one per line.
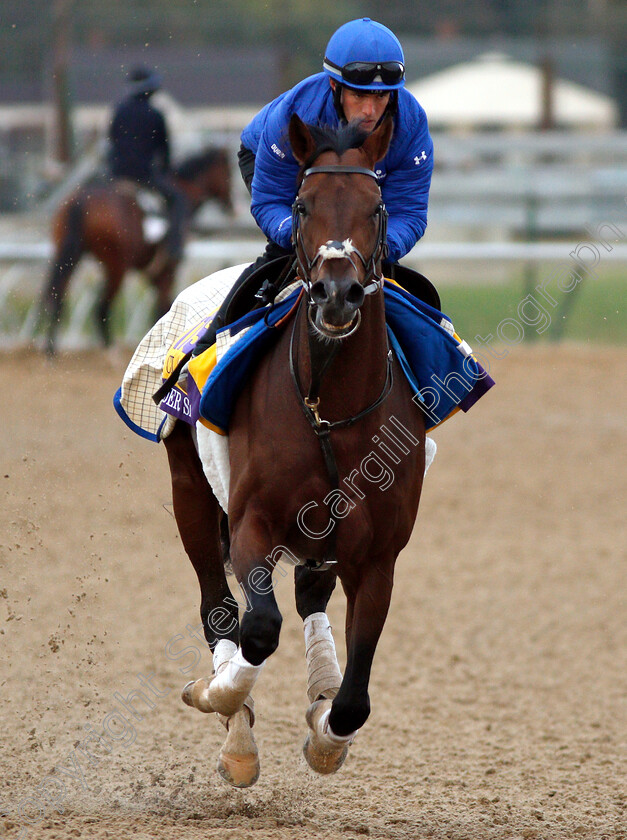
[{"x": 499, "y": 690}]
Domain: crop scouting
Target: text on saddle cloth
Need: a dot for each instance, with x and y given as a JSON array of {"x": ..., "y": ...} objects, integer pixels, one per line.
[{"x": 255, "y": 330}]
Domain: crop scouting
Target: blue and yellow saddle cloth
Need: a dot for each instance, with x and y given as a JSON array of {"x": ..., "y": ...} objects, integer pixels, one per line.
[{"x": 440, "y": 367}]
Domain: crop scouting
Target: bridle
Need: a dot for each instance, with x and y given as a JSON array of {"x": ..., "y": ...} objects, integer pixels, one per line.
[{"x": 372, "y": 281}]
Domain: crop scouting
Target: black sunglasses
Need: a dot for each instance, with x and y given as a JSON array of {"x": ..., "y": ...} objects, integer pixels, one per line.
[{"x": 365, "y": 72}]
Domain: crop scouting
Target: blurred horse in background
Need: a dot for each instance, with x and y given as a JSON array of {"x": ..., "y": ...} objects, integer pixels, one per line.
[{"x": 105, "y": 218}]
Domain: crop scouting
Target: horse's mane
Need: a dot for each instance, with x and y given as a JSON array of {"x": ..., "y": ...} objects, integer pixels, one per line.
[
  {"x": 338, "y": 140},
  {"x": 194, "y": 165}
]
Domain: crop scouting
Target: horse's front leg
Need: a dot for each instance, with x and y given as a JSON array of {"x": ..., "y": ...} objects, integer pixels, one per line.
[
  {"x": 261, "y": 623},
  {"x": 334, "y": 724},
  {"x": 313, "y": 590}
]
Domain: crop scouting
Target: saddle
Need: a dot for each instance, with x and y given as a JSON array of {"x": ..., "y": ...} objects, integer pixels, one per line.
[
  {"x": 258, "y": 289},
  {"x": 413, "y": 282},
  {"x": 261, "y": 288}
]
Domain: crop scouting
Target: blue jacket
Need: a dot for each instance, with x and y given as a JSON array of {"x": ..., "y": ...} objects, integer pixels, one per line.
[{"x": 404, "y": 173}]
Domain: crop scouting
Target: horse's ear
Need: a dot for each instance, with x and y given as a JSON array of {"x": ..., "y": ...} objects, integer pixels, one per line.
[
  {"x": 376, "y": 144},
  {"x": 301, "y": 141}
]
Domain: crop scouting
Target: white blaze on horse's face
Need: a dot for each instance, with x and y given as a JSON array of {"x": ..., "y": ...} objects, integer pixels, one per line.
[
  {"x": 337, "y": 296},
  {"x": 336, "y": 250}
]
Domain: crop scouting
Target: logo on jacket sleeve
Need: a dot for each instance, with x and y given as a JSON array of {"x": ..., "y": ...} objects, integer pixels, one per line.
[
  {"x": 419, "y": 158},
  {"x": 277, "y": 151}
]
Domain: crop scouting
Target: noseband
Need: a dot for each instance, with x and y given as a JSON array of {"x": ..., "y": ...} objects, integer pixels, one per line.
[{"x": 340, "y": 250}]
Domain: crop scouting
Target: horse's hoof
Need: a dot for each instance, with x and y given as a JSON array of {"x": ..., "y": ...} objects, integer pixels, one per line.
[
  {"x": 238, "y": 763},
  {"x": 226, "y": 702},
  {"x": 320, "y": 754},
  {"x": 186, "y": 694},
  {"x": 240, "y": 771},
  {"x": 324, "y": 763},
  {"x": 194, "y": 694}
]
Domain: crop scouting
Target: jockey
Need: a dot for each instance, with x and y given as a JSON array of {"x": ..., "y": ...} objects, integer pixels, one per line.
[
  {"x": 363, "y": 79},
  {"x": 139, "y": 150}
]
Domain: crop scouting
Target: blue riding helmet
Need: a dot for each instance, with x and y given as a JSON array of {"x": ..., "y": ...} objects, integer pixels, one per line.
[
  {"x": 366, "y": 55},
  {"x": 143, "y": 80}
]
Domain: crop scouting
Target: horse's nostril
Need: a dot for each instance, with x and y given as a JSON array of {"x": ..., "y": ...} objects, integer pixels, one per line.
[
  {"x": 319, "y": 293},
  {"x": 355, "y": 295}
]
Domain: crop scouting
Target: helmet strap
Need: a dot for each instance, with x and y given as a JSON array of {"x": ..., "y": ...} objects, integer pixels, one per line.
[
  {"x": 337, "y": 102},
  {"x": 392, "y": 106}
]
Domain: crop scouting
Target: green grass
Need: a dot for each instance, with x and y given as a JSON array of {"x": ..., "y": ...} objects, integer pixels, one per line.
[{"x": 592, "y": 312}]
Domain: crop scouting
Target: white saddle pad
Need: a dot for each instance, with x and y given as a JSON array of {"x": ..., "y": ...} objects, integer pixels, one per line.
[{"x": 143, "y": 375}]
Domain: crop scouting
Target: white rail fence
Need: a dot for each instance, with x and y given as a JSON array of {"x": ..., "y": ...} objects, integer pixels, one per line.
[
  {"x": 23, "y": 268},
  {"x": 496, "y": 201}
]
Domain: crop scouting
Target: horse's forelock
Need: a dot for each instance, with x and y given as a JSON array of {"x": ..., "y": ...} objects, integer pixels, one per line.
[{"x": 337, "y": 140}]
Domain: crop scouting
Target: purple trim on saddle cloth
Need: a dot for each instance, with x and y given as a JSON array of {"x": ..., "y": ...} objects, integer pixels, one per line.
[
  {"x": 179, "y": 405},
  {"x": 479, "y": 388},
  {"x": 184, "y": 406}
]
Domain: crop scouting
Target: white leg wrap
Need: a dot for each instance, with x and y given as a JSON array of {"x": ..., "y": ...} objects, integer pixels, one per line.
[
  {"x": 323, "y": 672},
  {"x": 430, "y": 450},
  {"x": 328, "y": 736},
  {"x": 237, "y": 675},
  {"x": 224, "y": 650}
]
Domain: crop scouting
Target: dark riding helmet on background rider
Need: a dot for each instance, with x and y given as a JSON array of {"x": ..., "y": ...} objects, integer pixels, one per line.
[
  {"x": 143, "y": 80},
  {"x": 365, "y": 55}
]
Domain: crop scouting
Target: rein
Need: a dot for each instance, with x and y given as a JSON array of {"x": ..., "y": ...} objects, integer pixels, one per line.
[
  {"x": 323, "y": 428},
  {"x": 373, "y": 283},
  {"x": 311, "y": 402}
]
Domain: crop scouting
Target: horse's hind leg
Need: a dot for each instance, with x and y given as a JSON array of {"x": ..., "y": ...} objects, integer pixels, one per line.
[
  {"x": 51, "y": 305},
  {"x": 164, "y": 283},
  {"x": 67, "y": 255},
  {"x": 197, "y": 515},
  {"x": 115, "y": 269}
]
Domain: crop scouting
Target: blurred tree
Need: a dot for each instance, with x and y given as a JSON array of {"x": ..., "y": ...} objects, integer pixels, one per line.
[
  {"x": 61, "y": 20},
  {"x": 297, "y": 30}
]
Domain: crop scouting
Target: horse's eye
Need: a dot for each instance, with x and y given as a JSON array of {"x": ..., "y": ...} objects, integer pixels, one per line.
[{"x": 301, "y": 209}]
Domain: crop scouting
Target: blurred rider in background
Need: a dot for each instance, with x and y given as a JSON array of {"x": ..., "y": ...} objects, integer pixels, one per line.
[{"x": 140, "y": 150}]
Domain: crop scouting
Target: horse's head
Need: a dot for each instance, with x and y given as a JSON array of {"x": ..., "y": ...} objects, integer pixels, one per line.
[
  {"x": 207, "y": 175},
  {"x": 339, "y": 220}
]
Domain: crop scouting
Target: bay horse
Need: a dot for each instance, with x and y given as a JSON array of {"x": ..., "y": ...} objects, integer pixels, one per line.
[
  {"x": 303, "y": 481},
  {"x": 105, "y": 218}
]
